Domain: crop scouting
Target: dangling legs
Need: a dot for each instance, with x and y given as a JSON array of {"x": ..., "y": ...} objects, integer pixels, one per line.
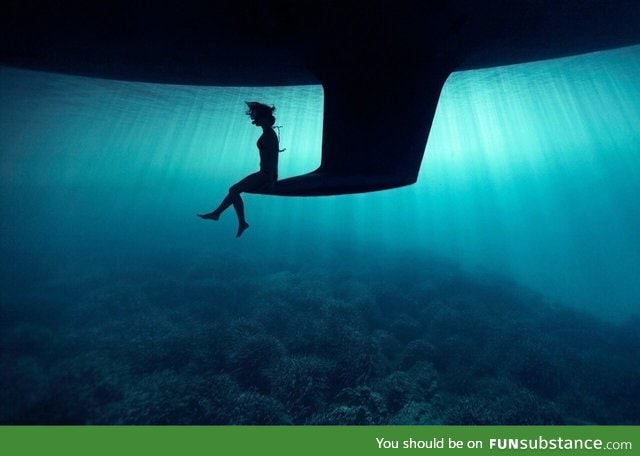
[
  {"x": 250, "y": 182},
  {"x": 226, "y": 202},
  {"x": 232, "y": 198},
  {"x": 238, "y": 205}
]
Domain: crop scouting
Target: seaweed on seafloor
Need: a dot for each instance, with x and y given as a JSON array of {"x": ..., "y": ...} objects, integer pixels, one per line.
[
  {"x": 166, "y": 397},
  {"x": 309, "y": 347},
  {"x": 500, "y": 403},
  {"x": 251, "y": 408},
  {"x": 301, "y": 384},
  {"x": 353, "y": 406},
  {"x": 415, "y": 414}
]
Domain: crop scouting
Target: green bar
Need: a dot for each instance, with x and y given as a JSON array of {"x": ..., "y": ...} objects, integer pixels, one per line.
[{"x": 321, "y": 440}]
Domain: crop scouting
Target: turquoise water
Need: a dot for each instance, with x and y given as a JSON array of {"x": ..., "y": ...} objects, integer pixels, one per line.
[
  {"x": 531, "y": 171},
  {"x": 502, "y": 288}
]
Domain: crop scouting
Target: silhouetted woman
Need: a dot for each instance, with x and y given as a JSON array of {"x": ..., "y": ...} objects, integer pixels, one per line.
[{"x": 261, "y": 116}]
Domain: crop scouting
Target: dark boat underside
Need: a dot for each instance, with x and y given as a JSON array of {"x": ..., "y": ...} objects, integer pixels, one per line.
[{"x": 380, "y": 62}]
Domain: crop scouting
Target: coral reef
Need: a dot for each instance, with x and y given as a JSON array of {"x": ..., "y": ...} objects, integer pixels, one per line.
[{"x": 424, "y": 343}]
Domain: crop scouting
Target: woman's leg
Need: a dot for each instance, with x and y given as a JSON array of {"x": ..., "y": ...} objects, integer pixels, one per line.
[
  {"x": 238, "y": 205},
  {"x": 251, "y": 182},
  {"x": 226, "y": 202}
]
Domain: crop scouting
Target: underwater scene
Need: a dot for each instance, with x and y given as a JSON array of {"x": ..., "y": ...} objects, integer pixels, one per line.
[{"x": 502, "y": 288}]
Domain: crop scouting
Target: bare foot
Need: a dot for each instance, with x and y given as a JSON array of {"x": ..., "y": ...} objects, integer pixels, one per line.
[
  {"x": 241, "y": 228},
  {"x": 210, "y": 216}
]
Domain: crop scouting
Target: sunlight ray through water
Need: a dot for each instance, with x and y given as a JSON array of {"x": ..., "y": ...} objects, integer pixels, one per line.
[{"x": 531, "y": 171}]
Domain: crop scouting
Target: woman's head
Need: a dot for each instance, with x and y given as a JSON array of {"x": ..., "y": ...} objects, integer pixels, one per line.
[{"x": 261, "y": 113}]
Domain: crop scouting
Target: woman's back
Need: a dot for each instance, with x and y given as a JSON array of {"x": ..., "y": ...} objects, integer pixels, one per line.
[{"x": 268, "y": 147}]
